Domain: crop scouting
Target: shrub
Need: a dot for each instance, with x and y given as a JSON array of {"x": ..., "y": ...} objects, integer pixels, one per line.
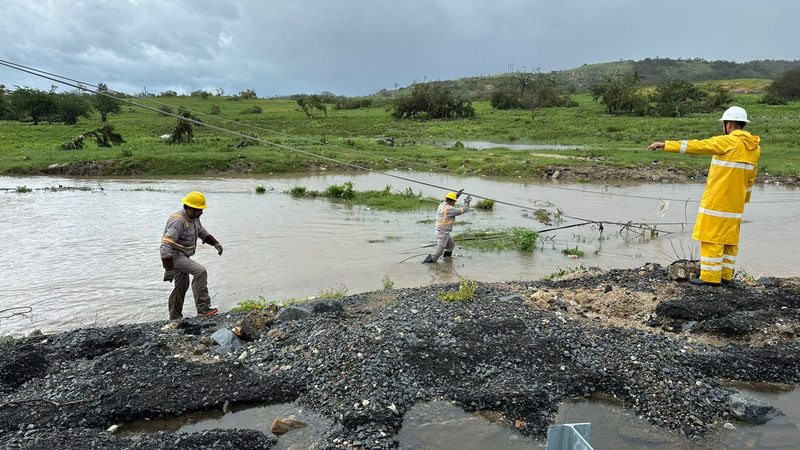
[
  {"x": 787, "y": 86},
  {"x": 23, "y": 189},
  {"x": 248, "y": 94},
  {"x": 169, "y": 93},
  {"x": 770, "y": 98},
  {"x": 431, "y": 101},
  {"x": 352, "y": 103},
  {"x": 310, "y": 103},
  {"x": 619, "y": 93},
  {"x": 504, "y": 99},
  {"x": 200, "y": 93},
  {"x": 261, "y": 189},
  {"x": 165, "y": 110},
  {"x": 251, "y": 110},
  {"x": 215, "y": 109}
]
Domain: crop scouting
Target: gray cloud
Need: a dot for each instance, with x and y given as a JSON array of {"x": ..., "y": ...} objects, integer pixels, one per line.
[{"x": 360, "y": 46}]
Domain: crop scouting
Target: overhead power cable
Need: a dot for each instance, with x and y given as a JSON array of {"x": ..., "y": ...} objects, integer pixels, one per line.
[
  {"x": 353, "y": 150},
  {"x": 82, "y": 87}
]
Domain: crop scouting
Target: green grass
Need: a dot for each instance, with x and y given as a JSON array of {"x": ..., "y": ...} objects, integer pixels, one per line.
[
  {"x": 384, "y": 200},
  {"x": 575, "y": 251},
  {"x": 517, "y": 238},
  {"x": 251, "y": 304},
  {"x": 387, "y": 282},
  {"x": 467, "y": 291},
  {"x": 360, "y": 138}
]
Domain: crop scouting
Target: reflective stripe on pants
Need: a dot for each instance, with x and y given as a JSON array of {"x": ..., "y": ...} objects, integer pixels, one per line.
[
  {"x": 185, "y": 267},
  {"x": 716, "y": 261}
]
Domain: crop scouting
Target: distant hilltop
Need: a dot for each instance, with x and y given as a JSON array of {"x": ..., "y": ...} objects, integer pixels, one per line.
[{"x": 651, "y": 70}]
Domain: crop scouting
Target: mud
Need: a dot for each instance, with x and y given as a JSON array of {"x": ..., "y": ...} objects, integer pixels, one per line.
[{"x": 513, "y": 351}]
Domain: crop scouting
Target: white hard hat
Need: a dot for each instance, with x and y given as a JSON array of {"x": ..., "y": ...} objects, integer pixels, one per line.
[{"x": 734, "y": 114}]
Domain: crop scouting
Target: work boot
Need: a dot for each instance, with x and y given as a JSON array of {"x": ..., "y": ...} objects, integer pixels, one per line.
[
  {"x": 448, "y": 254},
  {"x": 699, "y": 282},
  {"x": 428, "y": 259},
  {"x": 207, "y": 312}
]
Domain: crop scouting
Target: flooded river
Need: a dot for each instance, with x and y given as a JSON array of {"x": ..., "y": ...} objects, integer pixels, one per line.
[{"x": 81, "y": 258}]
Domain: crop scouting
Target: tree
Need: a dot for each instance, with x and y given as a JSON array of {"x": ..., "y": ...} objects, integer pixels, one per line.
[
  {"x": 677, "y": 98},
  {"x": 526, "y": 90},
  {"x": 5, "y": 108},
  {"x": 71, "y": 106},
  {"x": 620, "y": 94},
  {"x": 787, "y": 86},
  {"x": 431, "y": 101},
  {"x": 105, "y": 103},
  {"x": 248, "y": 94},
  {"x": 309, "y": 103},
  {"x": 33, "y": 103}
]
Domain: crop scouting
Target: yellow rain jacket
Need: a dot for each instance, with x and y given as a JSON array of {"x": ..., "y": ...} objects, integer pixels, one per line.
[{"x": 730, "y": 180}]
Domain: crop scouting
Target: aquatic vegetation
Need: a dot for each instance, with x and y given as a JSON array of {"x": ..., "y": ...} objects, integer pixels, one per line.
[
  {"x": 261, "y": 189},
  {"x": 517, "y": 238},
  {"x": 384, "y": 199},
  {"x": 575, "y": 251},
  {"x": 388, "y": 284},
  {"x": 486, "y": 204}
]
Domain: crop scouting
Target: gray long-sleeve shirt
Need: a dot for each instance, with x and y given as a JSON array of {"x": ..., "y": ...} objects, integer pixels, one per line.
[
  {"x": 181, "y": 234},
  {"x": 446, "y": 215}
]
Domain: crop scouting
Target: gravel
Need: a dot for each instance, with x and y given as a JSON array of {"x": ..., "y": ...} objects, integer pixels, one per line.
[{"x": 368, "y": 359}]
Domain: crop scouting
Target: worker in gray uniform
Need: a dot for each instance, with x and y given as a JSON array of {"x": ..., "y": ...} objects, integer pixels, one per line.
[
  {"x": 177, "y": 245},
  {"x": 445, "y": 217}
]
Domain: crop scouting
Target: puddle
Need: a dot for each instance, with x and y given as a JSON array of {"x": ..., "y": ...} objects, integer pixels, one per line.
[
  {"x": 484, "y": 145},
  {"x": 615, "y": 427},
  {"x": 255, "y": 418},
  {"x": 442, "y": 425},
  {"x": 275, "y": 244}
]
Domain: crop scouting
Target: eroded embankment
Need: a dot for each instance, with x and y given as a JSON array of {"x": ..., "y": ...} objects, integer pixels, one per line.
[{"x": 519, "y": 349}]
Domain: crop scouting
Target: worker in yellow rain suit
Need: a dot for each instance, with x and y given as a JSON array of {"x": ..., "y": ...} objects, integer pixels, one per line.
[{"x": 730, "y": 180}]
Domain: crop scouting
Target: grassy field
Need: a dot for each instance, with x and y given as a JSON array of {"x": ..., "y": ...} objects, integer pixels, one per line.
[{"x": 370, "y": 137}]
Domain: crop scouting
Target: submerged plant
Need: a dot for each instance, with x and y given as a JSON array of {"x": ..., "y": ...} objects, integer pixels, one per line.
[
  {"x": 485, "y": 204},
  {"x": 573, "y": 252}
]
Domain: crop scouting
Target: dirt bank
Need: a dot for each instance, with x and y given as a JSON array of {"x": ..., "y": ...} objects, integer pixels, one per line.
[{"x": 367, "y": 360}]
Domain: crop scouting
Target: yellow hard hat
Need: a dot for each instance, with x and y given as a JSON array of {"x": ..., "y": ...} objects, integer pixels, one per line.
[
  {"x": 452, "y": 196},
  {"x": 195, "y": 200}
]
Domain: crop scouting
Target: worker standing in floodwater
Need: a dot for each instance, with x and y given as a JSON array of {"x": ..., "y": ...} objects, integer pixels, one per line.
[
  {"x": 445, "y": 217},
  {"x": 177, "y": 245},
  {"x": 728, "y": 186}
]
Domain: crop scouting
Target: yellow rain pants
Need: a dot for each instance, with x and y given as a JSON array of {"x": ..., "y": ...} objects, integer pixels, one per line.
[{"x": 716, "y": 261}]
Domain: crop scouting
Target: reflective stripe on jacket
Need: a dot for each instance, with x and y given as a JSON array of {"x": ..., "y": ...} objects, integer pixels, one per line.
[
  {"x": 181, "y": 234},
  {"x": 730, "y": 180},
  {"x": 446, "y": 215}
]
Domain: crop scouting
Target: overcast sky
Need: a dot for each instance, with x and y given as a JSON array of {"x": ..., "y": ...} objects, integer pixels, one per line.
[{"x": 352, "y": 47}]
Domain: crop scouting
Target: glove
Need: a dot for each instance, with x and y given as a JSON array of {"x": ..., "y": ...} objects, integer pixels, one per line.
[
  {"x": 458, "y": 194},
  {"x": 169, "y": 275},
  {"x": 218, "y": 246},
  {"x": 468, "y": 199}
]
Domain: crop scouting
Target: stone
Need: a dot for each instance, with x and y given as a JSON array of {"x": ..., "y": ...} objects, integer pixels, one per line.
[
  {"x": 283, "y": 425},
  {"x": 292, "y": 312},
  {"x": 556, "y": 175},
  {"x": 683, "y": 270},
  {"x": 113, "y": 428},
  {"x": 728, "y": 426},
  {"x": 750, "y": 409},
  {"x": 326, "y": 306},
  {"x": 255, "y": 322},
  {"x": 227, "y": 341}
]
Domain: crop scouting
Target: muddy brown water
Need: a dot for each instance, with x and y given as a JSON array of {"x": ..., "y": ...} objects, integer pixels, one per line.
[
  {"x": 442, "y": 425},
  {"x": 82, "y": 258}
]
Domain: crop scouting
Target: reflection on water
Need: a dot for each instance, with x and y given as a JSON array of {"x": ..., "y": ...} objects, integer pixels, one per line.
[
  {"x": 84, "y": 258},
  {"x": 255, "y": 418}
]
